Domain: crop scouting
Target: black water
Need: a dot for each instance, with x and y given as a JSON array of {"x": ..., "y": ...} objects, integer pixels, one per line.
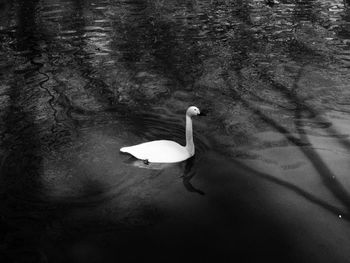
[{"x": 269, "y": 181}]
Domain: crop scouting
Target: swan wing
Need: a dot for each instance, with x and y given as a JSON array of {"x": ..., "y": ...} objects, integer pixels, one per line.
[{"x": 161, "y": 151}]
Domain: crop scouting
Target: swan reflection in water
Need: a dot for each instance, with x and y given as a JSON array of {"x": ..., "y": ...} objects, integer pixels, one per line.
[{"x": 188, "y": 167}]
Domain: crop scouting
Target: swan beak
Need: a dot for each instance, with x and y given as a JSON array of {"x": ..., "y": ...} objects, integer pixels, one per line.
[{"x": 202, "y": 113}]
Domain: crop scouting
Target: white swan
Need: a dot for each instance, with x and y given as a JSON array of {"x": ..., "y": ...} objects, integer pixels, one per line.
[{"x": 165, "y": 151}]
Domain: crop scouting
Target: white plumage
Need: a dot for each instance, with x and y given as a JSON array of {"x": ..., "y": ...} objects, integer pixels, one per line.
[
  {"x": 165, "y": 151},
  {"x": 161, "y": 151}
]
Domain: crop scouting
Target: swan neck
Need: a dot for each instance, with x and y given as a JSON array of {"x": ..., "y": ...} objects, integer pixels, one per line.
[{"x": 189, "y": 136}]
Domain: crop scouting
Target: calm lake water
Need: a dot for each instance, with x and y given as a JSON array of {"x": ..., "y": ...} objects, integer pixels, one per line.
[{"x": 270, "y": 178}]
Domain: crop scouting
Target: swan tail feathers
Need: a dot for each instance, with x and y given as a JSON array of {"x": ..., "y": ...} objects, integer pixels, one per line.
[
  {"x": 124, "y": 149},
  {"x": 131, "y": 151}
]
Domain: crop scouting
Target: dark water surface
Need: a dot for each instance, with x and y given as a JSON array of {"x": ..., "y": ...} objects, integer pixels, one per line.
[{"x": 270, "y": 179}]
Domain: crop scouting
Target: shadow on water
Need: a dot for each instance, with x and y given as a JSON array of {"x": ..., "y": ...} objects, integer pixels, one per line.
[
  {"x": 326, "y": 174},
  {"x": 77, "y": 52},
  {"x": 152, "y": 44},
  {"x": 250, "y": 234},
  {"x": 26, "y": 213},
  {"x": 95, "y": 85},
  {"x": 21, "y": 165},
  {"x": 5, "y": 13},
  {"x": 301, "y": 108}
]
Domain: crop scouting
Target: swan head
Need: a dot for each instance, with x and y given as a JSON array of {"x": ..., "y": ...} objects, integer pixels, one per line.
[{"x": 192, "y": 111}]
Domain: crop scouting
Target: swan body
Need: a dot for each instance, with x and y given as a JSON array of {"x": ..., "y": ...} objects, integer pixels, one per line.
[
  {"x": 165, "y": 151},
  {"x": 162, "y": 151}
]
